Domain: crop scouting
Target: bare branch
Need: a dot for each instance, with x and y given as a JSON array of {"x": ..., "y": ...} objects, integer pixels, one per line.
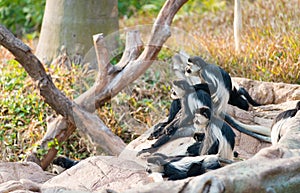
[
  {"x": 102, "y": 57},
  {"x": 159, "y": 34},
  {"x": 133, "y": 48},
  {"x": 73, "y": 114},
  {"x": 54, "y": 97}
]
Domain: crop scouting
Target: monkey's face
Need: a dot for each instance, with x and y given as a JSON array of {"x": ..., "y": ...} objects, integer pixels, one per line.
[
  {"x": 201, "y": 119},
  {"x": 194, "y": 66},
  {"x": 192, "y": 69},
  {"x": 200, "y": 122},
  {"x": 177, "y": 92},
  {"x": 180, "y": 88}
]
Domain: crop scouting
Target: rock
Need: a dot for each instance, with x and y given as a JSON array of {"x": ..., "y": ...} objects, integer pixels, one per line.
[
  {"x": 269, "y": 92},
  {"x": 22, "y": 177},
  {"x": 99, "y": 173},
  {"x": 22, "y": 170},
  {"x": 126, "y": 173},
  {"x": 21, "y": 186}
]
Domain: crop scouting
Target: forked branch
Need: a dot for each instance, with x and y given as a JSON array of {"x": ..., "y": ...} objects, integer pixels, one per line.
[{"x": 108, "y": 84}]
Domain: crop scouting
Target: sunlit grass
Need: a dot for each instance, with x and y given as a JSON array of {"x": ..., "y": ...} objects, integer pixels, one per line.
[{"x": 270, "y": 39}]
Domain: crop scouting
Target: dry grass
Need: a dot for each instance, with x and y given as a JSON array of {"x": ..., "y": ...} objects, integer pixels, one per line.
[{"x": 270, "y": 42}]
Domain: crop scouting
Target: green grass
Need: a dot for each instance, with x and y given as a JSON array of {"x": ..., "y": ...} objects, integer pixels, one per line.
[{"x": 270, "y": 51}]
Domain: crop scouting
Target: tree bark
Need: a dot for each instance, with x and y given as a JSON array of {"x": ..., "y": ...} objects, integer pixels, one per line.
[
  {"x": 237, "y": 25},
  {"x": 71, "y": 23}
]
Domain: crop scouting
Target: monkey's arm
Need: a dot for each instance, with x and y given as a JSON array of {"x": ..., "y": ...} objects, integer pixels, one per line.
[
  {"x": 158, "y": 129},
  {"x": 182, "y": 121},
  {"x": 160, "y": 141},
  {"x": 244, "y": 92},
  {"x": 183, "y": 118}
]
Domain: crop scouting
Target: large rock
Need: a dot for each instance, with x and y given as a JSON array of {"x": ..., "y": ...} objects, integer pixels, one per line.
[
  {"x": 270, "y": 92},
  {"x": 97, "y": 174},
  {"x": 22, "y": 177},
  {"x": 23, "y": 170}
]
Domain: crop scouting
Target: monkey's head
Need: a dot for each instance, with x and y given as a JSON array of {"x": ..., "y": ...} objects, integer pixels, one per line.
[
  {"x": 180, "y": 88},
  {"x": 194, "y": 66},
  {"x": 202, "y": 118}
]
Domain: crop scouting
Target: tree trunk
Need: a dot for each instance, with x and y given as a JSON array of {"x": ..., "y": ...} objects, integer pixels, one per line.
[
  {"x": 70, "y": 24},
  {"x": 237, "y": 25}
]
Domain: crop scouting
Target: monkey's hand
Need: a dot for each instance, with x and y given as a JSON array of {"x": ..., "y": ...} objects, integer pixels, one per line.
[
  {"x": 157, "y": 131},
  {"x": 170, "y": 130}
]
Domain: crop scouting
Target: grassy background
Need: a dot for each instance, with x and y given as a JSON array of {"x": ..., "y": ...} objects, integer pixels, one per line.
[{"x": 270, "y": 52}]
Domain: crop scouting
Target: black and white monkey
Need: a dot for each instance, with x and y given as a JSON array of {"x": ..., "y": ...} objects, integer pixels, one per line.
[
  {"x": 179, "y": 167},
  {"x": 220, "y": 86},
  {"x": 190, "y": 100},
  {"x": 219, "y": 137},
  {"x": 278, "y": 126},
  {"x": 238, "y": 95},
  {"x": 182, "y": 93},
  {"x": 62, "y": 163}
]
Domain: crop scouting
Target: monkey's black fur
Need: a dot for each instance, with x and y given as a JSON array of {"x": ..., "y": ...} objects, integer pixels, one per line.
[
  {"x": 237, "y": 97},
  {"x": 220, "y": 86},
  {"x": 65, "y": 162},
  {"x": 287, "y": 114},
  {"x": 194, "y": 149},
  {"x": 175, "y": 108},
  {"x": 202, "y": 92},
  {"x": 189, "y": 102},
  {"x": 180, "y": 167},
  {"x": 279, "y": 123},
  {"x": 219, "y": 136}
]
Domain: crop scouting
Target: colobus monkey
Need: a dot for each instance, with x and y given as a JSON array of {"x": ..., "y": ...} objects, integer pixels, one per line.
[
  {"x": 219, "y": 137},
  {"x": 220, "y": 86},
  {"x": 279, "y": 121},
  {"x": 238, "y": 95},
  {"x": 219, "y": 82},
  {"x": 179, "y": 167},
  {"x": 190, "y": 100},
  {"x": 194, "y": 149},
  {"x": 178, "y": 98}
]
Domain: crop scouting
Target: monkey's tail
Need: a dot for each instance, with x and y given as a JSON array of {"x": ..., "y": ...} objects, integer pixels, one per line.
[
  {"x": 259, "y": 132},
  {"x": 243, "y": 91}
]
